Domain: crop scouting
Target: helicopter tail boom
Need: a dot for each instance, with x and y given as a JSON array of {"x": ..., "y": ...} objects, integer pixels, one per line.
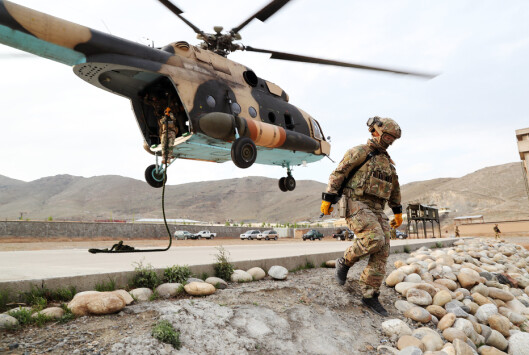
[{"x": 63, "y": 41}]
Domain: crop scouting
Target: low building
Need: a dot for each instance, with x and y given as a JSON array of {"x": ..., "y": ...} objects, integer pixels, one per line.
[{"x": 468, "y": 220}]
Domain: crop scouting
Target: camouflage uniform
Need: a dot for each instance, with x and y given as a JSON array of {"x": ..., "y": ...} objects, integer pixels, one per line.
[
  {"x": 367, "y": 192},
  {"x": 457, "y": 232},
  {"x": 167, "y": 131}
]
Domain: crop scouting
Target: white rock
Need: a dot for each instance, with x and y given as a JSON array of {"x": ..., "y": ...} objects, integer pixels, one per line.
[
  {"x": 217, "y": 282},
  {"x": 6, "y": 321},
  {"x": 278, "y": 272},
  {"x": 416, "y": 278},
  {"x": 485, "y": 311},
  {"x": 395, "y": 327},
  {"x": 199, "y": 288},
  {"x": 51, "y": 312},
  {"x": 519, "y": 343},
  {"x": 403, "y": 306},
  {"x": 418, "y": 297},
  {"x": 241, "y": 276},
  {"x": 410, "y": 350},
  {"x": 168, "y": 290},
  {"x": 394, "y": 278},
  {"x": 257, "y": 273},
  {"x": 141, "y": 294},
  {"x": 403, "y": 287}
]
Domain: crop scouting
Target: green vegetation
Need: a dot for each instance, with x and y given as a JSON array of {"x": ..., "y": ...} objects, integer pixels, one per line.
[
  {"x": 438, "y": 245},
  {"x": 144, "y": 276},
  {"x": 164, "y": 332},
  {"x": 308, "y": 265},
  {"x": 223, "y": 267},
  {"x": 323, "y": 264},
  {"x": 4, "y": 298},
  {"x": 204, "y": 276},
  {"x": 406, "y": 249},
  {"x": 106, "y": 286},
  {"x": 39, "y": 297},
  {"x": 22, "y": 315},
  {"x": 68, "y": 315},
  {"x": 176, "y": 273},
  {"x": 154, "y": 296},
  {"x": 50, "y": 218}
]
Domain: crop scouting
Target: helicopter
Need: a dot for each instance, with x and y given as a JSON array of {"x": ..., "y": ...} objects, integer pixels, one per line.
[{"x": 216, "y": 110}]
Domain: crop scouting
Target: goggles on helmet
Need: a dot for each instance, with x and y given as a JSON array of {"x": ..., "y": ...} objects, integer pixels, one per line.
[{"x": 372, "y": 120}]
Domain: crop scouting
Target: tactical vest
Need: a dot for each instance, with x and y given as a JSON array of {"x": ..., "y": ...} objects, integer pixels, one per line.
[{"x": 374, "y": 179}]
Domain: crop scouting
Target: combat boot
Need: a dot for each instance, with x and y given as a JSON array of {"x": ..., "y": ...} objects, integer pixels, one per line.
[
  {"x": 373, "y": 304},
  {"x": 341, "y": 271}
]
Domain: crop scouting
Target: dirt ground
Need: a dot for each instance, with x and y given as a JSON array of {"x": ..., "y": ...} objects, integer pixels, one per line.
[{"x": 306, "y": 314}]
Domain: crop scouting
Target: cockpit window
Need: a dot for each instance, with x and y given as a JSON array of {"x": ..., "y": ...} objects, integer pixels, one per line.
[{"x": 317, "y": 129}]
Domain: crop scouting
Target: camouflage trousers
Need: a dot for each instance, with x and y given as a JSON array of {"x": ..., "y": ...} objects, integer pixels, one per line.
[
  {"x": 168, "y": 138},
  {"x": 497, "y": 236},
  {"x": 372, "y": 231}
]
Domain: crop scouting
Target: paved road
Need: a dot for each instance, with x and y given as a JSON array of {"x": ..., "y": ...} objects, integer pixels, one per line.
[{"x": 43, "y": 264}]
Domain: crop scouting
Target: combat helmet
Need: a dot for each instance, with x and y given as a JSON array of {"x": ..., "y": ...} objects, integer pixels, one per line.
[{"x": 388, "y": 129}]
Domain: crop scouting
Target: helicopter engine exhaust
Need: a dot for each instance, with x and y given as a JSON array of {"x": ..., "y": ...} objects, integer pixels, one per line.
[{"x": 221, "y": 125}]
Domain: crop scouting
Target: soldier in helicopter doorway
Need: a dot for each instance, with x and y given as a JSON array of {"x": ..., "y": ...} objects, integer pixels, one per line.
[{"x": 364, "y": 181}]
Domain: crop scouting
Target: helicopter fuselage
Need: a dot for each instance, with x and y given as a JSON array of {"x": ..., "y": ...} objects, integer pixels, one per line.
[{"x": 217, "y": 100}]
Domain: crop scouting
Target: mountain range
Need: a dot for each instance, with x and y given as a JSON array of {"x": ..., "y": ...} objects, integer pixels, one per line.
[{"x": 497, "y": 193}]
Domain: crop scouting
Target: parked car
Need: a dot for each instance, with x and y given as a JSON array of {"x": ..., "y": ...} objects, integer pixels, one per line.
[
  {"x": 344, "y": 233},
  {"x": 269, "y": 234},
  {"x": 251, "y": 234},
  {"x": 312, "y": 234},
  {"x": 205, "y": 234},
  {"x": 183, "y": 235},
  {"x": 401, "y": 235}
]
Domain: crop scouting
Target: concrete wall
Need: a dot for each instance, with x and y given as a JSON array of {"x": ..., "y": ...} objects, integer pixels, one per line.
[
  {"x": 509, "y": 228},
  {"x": 122, "y": 279},
  {"x": 22, "y": 229}
]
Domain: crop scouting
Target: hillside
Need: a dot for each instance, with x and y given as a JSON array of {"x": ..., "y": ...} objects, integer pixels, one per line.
[{"x": 496, "y": 192}]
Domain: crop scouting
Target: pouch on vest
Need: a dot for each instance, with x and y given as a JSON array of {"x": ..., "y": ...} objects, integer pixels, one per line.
[
  {"x": 379, "y": 188},
  {"x": 343, "y": 206}
]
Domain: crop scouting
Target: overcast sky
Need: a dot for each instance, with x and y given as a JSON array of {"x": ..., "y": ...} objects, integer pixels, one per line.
[{"x": 463, "y": 120}]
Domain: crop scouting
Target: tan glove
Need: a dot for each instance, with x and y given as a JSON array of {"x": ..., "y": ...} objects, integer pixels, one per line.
[
  {"x": 396, "y": 221},
  {"x": 326, "y": 208}
]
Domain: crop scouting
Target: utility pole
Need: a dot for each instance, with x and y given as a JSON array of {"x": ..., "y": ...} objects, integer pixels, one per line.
[{"x": 522, "y": 136}]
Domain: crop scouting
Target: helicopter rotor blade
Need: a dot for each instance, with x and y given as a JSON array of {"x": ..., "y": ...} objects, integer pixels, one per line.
[
  {"x": 262, "y": 14},
  {"x": 175, "y": 10},
  {"x": 305, "y": 59}
]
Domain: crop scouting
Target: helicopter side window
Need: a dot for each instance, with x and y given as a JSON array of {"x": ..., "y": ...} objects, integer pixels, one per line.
[
  {"x": 289, "y": 123},
  {"x": 316, "y": 128},
  {"x": 272, "y": 117},
  {"x": 210, "y": 100},
  {"x": 235, "y": 108}
]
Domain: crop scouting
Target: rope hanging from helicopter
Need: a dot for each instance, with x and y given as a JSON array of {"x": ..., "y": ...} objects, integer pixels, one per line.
[{"x": 123, "y": 248}]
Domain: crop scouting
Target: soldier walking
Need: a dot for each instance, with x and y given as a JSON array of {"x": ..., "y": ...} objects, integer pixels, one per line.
[
  {"x": 367, "y": 178},
  {"x": 497, "y": 231},
  {"x": 457, "y": 232}
]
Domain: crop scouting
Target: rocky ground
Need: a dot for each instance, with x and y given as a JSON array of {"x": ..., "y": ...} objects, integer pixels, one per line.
[{"x": 307, "y": 313}]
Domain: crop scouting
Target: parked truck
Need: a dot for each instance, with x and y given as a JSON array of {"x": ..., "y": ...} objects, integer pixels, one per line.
[{"x": 205, "y": 234}]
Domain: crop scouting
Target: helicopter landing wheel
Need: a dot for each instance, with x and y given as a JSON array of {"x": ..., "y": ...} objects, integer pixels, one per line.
[
  {"x": 154, "y": 177},
  {"x": 243, "y": 152},
  {"x": 282, "y": 185},
  {"x": 290, "y": 183}
]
